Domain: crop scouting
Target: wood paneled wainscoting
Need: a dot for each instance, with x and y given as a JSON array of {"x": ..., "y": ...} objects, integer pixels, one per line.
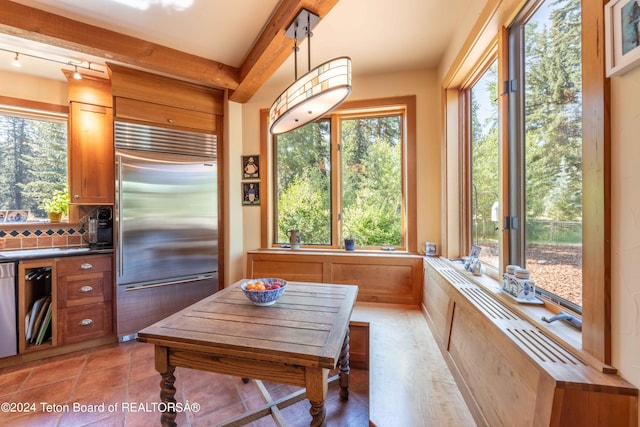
[
  {"x": 510, "y": 372},
  {"x": 386, "y": 278}
]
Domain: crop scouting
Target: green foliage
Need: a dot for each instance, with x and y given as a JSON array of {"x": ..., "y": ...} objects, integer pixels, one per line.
[
  {"x": 304, "y": 208},
  {"x": 553, "y": 133},
  {"x": 58, "y": 203},
  {"x": 303, "y": 183},
  {"x": 485, "y": 166},
  {"x": 33, "y": 162},
  {"x": 371, "y": 182}
]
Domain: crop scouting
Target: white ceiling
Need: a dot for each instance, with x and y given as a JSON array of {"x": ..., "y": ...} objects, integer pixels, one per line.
[{"x": 378, "y": 35}]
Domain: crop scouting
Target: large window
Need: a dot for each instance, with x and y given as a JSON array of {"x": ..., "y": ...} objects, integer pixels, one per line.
[
  {"x": 545, "y": 178},
  {"x": 484, "y": 160},
  {"x": 343, "y": 177},
  {"x": 33, "y": 161},
  {"x": 542, "y": 155},
  {"x": 554, "y": 154},
  {"x": 303, "y": 183}
]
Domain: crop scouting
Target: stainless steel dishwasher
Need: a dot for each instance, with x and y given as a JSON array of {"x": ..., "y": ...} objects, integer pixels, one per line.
[{"x": 8, "y": 330}]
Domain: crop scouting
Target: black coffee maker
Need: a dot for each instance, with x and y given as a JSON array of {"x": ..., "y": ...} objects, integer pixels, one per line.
[{"x": 105, "y": 227}]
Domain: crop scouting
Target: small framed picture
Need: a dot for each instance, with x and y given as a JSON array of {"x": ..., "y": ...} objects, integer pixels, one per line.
[
  {"x": 250, "y": 193},
  {"x": 3, "y": 215},
  {"x": 251, "y": 167},
  {"x": 17, "y": 216},
  {"x": 622, "y": 36}
]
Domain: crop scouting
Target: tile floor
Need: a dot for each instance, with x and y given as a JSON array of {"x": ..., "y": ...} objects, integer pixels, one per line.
[{"x": 120, "y": 375}]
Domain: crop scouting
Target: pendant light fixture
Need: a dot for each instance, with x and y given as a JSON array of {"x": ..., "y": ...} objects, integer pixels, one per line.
[{"x": 317, "y": 92}]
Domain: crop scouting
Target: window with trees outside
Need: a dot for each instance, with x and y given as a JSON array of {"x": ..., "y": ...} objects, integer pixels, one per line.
[
  {"x": 545, "y": 145},
  {"x": 33, "y": 159},
  {"x": 543, "y": 154},
  {"x": 342, "y": 177},
  {"x": 485, "y": 184}
]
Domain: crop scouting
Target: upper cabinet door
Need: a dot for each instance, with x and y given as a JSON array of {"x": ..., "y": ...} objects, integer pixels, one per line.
[{"x": 91, "y": 154}]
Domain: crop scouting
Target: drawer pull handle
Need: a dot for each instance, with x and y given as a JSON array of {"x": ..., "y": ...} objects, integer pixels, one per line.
[
  {"x": 85, "y": 322},
  {"x": 86, "y": 288},
  {"x": 86, "y": 266}
]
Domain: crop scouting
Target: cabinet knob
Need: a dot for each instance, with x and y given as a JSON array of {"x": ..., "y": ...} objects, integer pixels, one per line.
[
  {"x": 86, "y": 266},
  {"x": 86, "y": 288},
  {"x": 76, "y": 196},
  {"x": 85, "y": 322},
  {"x": 169, "y": 120}
]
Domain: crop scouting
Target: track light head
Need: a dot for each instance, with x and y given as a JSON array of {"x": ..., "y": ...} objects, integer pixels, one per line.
[{"x": 16, "y": 61}]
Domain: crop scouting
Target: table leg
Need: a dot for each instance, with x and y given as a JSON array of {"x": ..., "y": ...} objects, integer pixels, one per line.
[
  {"x": 344, "y": 369},
  {"x": 316, "y": 385},
  {"x": 167, "y": 388}
]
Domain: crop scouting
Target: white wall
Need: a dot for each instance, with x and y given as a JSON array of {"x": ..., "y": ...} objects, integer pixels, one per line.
[
  {"x": 424, "y": 85},
  {"x": 625, "y": 224},
  {"x": 234, "y": 250},
  {"x": 21, "y": 86}
]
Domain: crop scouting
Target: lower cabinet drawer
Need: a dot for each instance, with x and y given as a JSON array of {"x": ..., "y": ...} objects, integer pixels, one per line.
[{"x": 84, "y": 322}]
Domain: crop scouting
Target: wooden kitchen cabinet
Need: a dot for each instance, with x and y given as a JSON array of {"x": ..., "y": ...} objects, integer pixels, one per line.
[
  {"x": 163, "y": 115},
  {"x": 36, "y": 283},
  {"x": 91, "y": 150},
  {"x": 156, "y": 100},
  {"x": 91, "y": 154},
  {"x": 84, "y": 298},
  {"x": 79, "y": 292}
]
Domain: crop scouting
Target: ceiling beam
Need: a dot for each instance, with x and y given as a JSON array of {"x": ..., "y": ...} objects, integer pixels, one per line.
[
  {"x": 44, "y": 27},
  {"x": 270, "y": 51},
  {"x": 273, "y": 47}
]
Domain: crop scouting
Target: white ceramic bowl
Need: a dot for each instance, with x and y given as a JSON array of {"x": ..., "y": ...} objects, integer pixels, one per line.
[{"x": 268, "y": 296}]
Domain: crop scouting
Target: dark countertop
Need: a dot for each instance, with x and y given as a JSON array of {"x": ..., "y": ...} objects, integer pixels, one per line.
[{"x": 20, "y": 255}]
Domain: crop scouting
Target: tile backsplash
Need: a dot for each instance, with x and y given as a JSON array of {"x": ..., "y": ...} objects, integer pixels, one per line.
[
  {"x": 41, "y": 235},
  {"x": 34, "y": 235}
]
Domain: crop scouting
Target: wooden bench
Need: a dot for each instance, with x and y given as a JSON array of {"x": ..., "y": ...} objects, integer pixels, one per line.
[
  {"x": 386, "y": 278},
  {"x": 510, "y": 372}
]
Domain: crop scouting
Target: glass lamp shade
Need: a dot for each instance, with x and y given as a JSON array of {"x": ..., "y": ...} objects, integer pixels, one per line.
[{"x": 311, "y": 96}]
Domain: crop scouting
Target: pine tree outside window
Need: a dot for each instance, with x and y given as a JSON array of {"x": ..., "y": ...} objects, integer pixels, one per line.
[
  {"x": 33, "y": 159},
  {"x": 342, "y": 177}
]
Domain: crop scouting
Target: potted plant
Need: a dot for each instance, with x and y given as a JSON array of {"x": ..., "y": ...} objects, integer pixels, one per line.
[
  {"x": 57, "y": 205},
  {"x": 349, "y": 239}
]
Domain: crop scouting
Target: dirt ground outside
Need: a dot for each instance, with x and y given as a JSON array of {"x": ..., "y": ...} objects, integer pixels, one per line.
[{"x": 557, "y": 269}]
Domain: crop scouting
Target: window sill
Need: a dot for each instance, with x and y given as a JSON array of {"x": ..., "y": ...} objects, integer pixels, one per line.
[
  {"x": 567, "y": 336},
  {"x": 308, "y": 250}
]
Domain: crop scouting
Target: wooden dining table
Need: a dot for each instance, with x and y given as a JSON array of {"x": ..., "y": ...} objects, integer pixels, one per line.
[{"x": 295, "y": 341}]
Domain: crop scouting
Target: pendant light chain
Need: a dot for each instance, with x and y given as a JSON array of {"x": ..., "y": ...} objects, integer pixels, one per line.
[
  {"x": 309, "y": 35},
  {"x": 295, "y": 53}
]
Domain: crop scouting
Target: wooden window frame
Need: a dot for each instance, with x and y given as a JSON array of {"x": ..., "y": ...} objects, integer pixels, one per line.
[
  {"x": 350, "y": 109},
  {"x": 490, "y": 29}
]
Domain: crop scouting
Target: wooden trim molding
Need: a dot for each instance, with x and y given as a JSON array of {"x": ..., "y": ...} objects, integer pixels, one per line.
[
  {"x": 33, "y": 105},
  {"x": 596, "y": 182},
  {"x": 410, "y": 164}
]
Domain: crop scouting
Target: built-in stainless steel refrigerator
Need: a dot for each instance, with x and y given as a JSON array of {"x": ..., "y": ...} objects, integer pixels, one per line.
[{"x": 166, "y": 217}]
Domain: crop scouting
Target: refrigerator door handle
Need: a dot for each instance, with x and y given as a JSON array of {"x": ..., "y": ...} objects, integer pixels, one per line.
[
  {"x": 172, "y": 282},
  {"x": 120, "y": 259}
]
